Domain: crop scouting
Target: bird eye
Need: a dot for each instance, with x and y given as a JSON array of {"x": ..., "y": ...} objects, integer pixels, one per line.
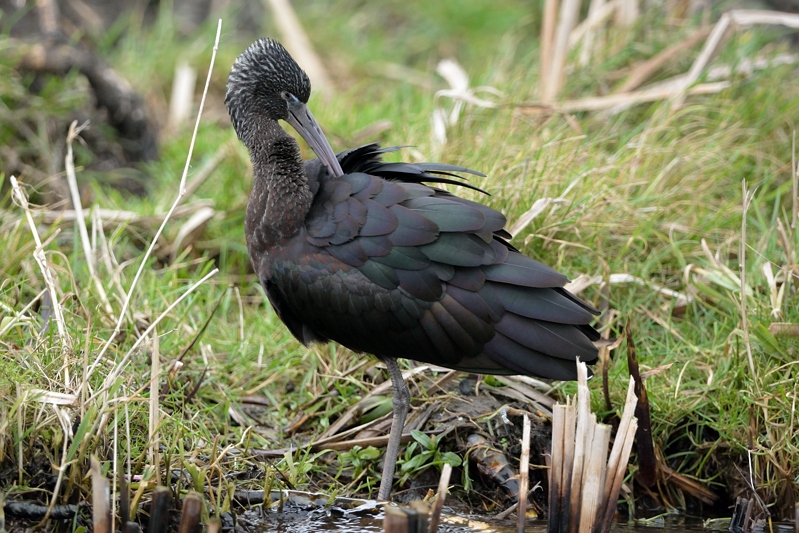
[{"x": 285, "y": 95}]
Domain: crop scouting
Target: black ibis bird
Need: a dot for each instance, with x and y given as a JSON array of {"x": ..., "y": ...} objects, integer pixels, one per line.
[{"x": 356, "y": 250}]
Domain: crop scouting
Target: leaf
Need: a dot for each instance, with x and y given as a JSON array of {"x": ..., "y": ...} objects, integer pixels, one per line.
[
  {"x": 455, "y": 75},
  {"x": 410, "y": 449},
  {"x": 451, "y": 458},
  {"x": 764, "y": 335},
  {"x": 527, "y": 217},
  {"x": 369, "y": 453},
  {"x": 422, "y": 439},
  {"x": 412, "y": 464},
  {"x": 85, "y": 424}
]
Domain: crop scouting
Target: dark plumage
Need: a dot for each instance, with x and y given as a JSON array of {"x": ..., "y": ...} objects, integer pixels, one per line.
[{"x": 359, "y": 251}]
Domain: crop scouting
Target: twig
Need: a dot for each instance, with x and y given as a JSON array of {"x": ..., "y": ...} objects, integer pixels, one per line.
[
  {"x": 181, "y": 193},
  {"x": 582, "y": 442},
  {"x": 541, "y": 401},
  {"x": 681, "y": 299},
  {"x": 717, "y": 36},
  {"x": 191, "y": 513},
  {"x": 116, "y": 475},
  {"x": 108, "y": 216},
  {"x": 241, "y": 313},
  {"x": 739, "y": 18},
  {"x": 48, "y": 14},
  {"x": 569, "y": 10},
  {"x": 747, "y": 67},
  {"x": 336, "y": 446},
  {"x": 751, "y": 17},
  {"x": 154, "y": 418},
  {"x": 589, "y": 38},
  {"x": 619, "y": 456},
  {"x": 794, "y": 186},
  {"x": 54, "y": 398},
  {"x": 594, "y": 477},
  {"x": 557, "y": 463},
  {"x": 69, "y": 165},
  {"x": 675, "y": 89},
  {"x": 598, "y": 103},
  {"x": 585, "y": 27},
  {"x": 747, "y": 199},
  {"x": 524, "y": 477},
  {"x": 20, "y": 431},
  {"x": 644, "y": 71},
  {"x": 538, "y": 207},
  {"x": 49, "y": 279},
  {"x": 784, "y": 329},
  {"x": 647, "y": 460},
  {"x": 441, "y": 495},
  {"x": 181, "y": 99},
  {"x": 101, "y": 512},
  {"x": 548, "y": 23},
  {"x": 771, "y": 283},
  {"x": 627, "y": 13}
]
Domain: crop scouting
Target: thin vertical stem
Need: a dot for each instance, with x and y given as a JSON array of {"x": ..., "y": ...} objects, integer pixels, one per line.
[
  {"x": 742, "y": 258},
  {"x": 524, "y": 477}
]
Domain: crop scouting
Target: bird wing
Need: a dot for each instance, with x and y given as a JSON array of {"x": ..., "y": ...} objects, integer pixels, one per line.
[{"x": 390, "y": 266}]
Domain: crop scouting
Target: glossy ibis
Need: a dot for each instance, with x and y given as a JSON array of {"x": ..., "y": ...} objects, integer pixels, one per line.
[{"x": 359, "y": 251}]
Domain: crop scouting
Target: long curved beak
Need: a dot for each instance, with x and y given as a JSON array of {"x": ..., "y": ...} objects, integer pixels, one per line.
[{"x": 302, "y": 120}]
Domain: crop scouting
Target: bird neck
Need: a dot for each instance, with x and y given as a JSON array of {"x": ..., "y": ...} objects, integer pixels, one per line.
[{"x": 280, "y": 197}]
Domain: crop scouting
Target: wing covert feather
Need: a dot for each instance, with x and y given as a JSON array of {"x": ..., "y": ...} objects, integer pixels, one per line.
[{"x": 390, "y": 266}]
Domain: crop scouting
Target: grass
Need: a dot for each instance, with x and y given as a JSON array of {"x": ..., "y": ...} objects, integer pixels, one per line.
[{"x": 653, "y": 192}]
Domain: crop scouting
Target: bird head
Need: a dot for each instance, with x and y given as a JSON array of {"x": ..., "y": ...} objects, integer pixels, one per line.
[
  {"x": 266, "y": 81},
  {"x": 263, "y": 80}
]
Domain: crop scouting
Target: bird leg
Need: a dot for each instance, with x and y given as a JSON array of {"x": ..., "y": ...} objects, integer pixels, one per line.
[{"x": 400, "y": 403}]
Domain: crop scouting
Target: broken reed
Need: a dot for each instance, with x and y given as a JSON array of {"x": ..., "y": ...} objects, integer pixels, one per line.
[
  {"x": 584, "y": 483},
  {"x": 413, "y": 518},
  {"x": 160, "y": 506},
  {"x": 407, "y": 519}
]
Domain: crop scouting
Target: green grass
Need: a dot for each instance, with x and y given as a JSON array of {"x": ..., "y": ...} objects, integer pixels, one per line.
[{"x": 643, "y": 188}]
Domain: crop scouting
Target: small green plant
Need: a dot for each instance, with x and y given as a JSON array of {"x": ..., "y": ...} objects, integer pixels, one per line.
[
  {"x": 359, "y": 459},
  {"x": 413, "y": 462},
  {"x": 296, "y": 469}
]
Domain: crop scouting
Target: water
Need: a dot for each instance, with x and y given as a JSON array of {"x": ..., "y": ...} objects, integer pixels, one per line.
[
  {"x": 321, "y": 520},
  {"x": 309, "y": 513}
]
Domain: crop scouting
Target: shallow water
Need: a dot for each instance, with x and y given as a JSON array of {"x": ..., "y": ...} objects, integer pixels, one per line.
[
  {"x": 307, "y": 513},
  {"x": 319, "y": 520}
]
